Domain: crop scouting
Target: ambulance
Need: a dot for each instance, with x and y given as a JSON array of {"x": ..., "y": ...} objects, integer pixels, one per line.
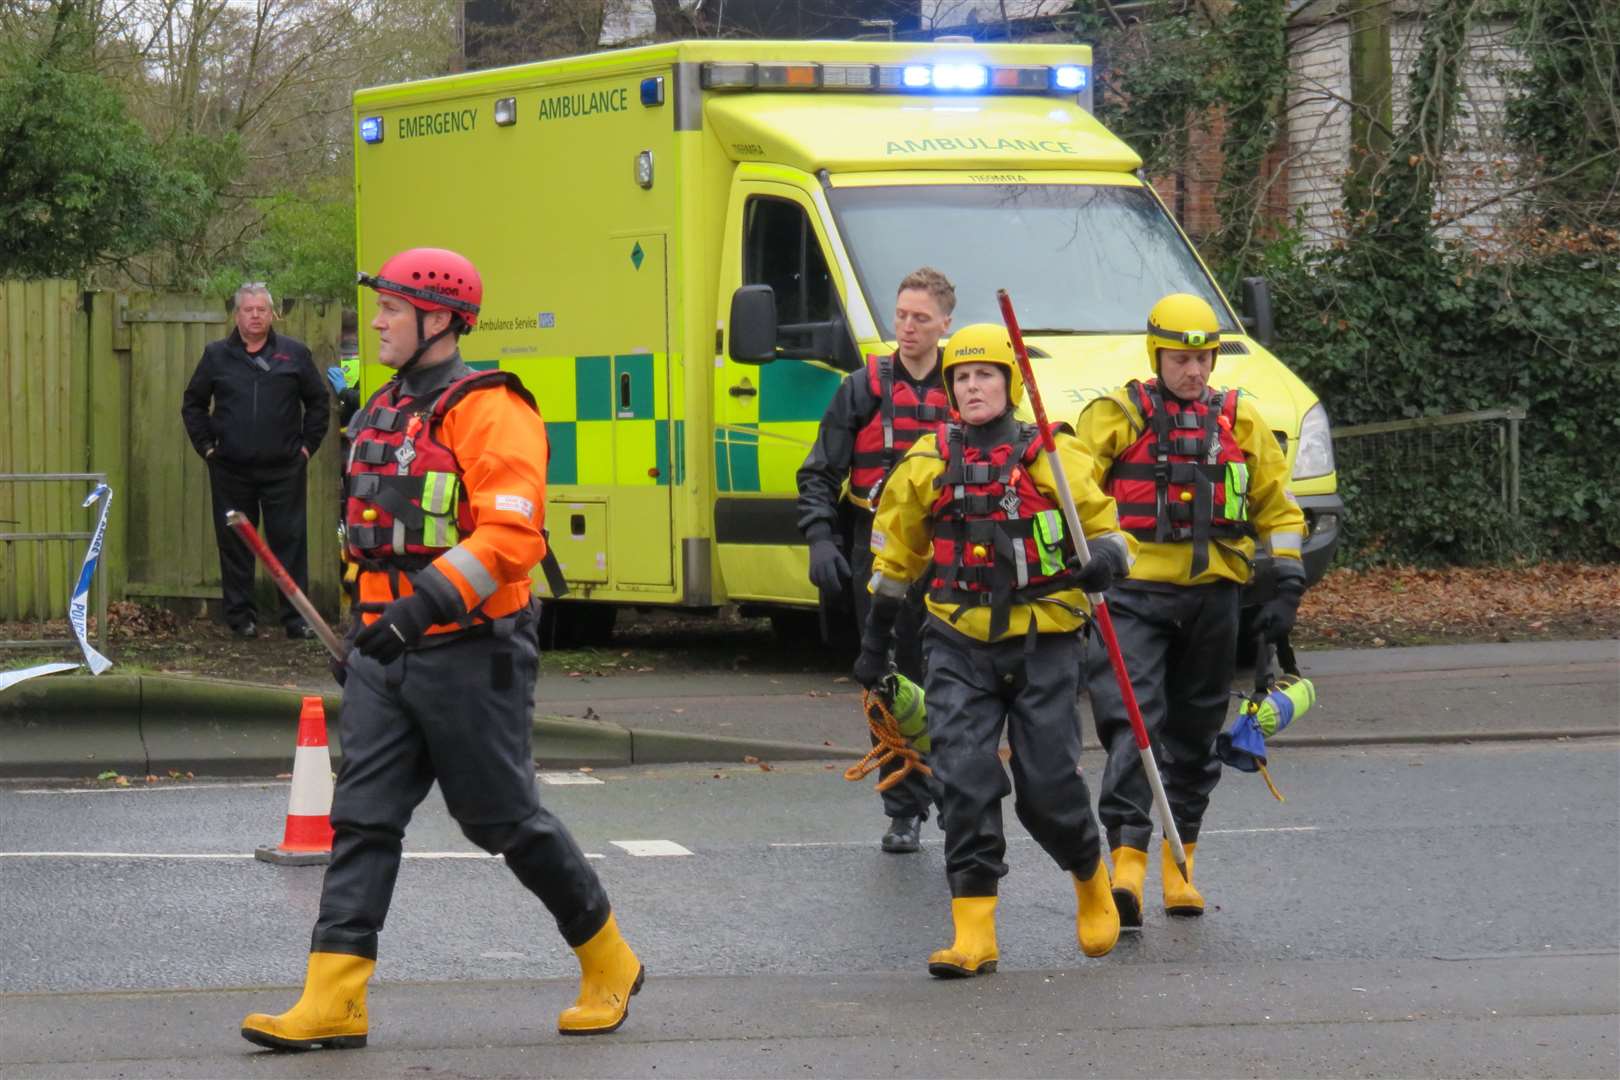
[{"x": 686, "y": 246}]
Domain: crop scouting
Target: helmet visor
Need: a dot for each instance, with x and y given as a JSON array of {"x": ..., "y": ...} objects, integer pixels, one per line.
[{"x": 438, "y": 299}]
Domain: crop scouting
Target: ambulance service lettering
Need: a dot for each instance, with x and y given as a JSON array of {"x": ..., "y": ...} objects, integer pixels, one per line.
[
  {"x": 567, "y": 106},
  {"x": 1028, "y": 146},
  {"x": 439, "y": 123}
]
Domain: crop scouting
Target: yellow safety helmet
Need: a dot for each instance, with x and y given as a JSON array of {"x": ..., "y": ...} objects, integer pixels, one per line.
[
  {"x": 1181, "y": 321},
  {"x": 983, "y": 343}
]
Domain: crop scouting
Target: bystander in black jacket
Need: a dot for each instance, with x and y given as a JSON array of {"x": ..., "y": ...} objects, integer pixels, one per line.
[
  {"x": 255, "y": 418},
  {"x": 265, "y": 407}
]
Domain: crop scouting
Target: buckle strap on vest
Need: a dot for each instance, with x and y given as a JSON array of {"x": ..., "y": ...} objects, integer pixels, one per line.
[
  {"x": 885, "y": 367},
  {"x": 371, "y": 452},
  {"x": 383, "y": 418},
  {"x": 1181, "y": 472}
]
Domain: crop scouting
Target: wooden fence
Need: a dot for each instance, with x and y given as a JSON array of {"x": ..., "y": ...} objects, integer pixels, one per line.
[{"x": 93, "y": 382}]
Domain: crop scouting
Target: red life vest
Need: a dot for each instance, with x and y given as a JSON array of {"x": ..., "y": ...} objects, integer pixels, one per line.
[
  {"x": 998, "y": 539},
  {"x": 405, "y": 505},
  {"x": 900, "y": 420},
  {"x": 1185, "y": 478}
]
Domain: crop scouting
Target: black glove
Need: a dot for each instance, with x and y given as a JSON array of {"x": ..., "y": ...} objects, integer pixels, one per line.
[
  {"x": 400, "y": 626},
  {"x": 873, "y": 663},
  {"x": 1099, "y": 573},
  {"x": 1277, "y": 615},
  {"x": 828, "y": 567}
]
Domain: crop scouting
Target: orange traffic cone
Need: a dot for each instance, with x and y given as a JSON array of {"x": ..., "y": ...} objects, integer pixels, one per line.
[{"x": 308, "y": 839}]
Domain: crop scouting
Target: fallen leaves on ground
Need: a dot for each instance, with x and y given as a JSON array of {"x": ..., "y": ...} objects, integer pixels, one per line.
[
  {"x": 1406, "y": 606},
  {"x": 1386, "y": 606}
]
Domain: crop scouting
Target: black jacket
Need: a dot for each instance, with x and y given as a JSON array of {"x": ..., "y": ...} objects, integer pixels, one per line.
[
  {"x": 821, "y": 477},
  {"x": 264, "y": 409}
]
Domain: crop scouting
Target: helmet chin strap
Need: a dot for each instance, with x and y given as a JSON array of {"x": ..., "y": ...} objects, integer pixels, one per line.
[{"x": 423, "y": 344}]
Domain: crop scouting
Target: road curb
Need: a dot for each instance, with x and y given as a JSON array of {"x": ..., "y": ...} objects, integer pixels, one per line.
[
  {"x": 71, "y": 726},
  {"x": 1418, "y": 738}
]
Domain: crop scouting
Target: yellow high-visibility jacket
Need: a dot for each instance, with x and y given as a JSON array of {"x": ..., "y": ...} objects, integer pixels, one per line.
[{"x": 1112, "y": 423}]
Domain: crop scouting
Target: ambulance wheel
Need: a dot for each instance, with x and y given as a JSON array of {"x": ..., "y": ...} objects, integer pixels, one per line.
[
  {"x": 573, "y": 626},
  {"x": 795, "y": 626}
]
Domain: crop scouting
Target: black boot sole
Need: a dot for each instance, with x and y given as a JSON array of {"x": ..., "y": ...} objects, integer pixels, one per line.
[
  {"x": 275, "y": 1042},
  {"x": 1184, "y": 912},
  {"x": 1130, "y": 912},
  {"x": 635, "y": 988},
  {"x": 956, "y": 971}
]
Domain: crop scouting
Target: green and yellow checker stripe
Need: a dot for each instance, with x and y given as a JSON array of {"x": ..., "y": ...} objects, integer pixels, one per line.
[
  {"x": 765, "y": 456},
  {"x": 605, "y": 421}
]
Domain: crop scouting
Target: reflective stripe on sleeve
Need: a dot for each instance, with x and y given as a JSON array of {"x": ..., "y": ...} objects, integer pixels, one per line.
[
  {"x": 1282, "y": 540},
  {"x": 467, "y": 564},
  {"x": 888, "y": 586}
]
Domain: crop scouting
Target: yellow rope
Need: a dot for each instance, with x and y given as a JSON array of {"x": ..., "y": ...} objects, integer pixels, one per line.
[
  {"x": 1251, "y": 707},
  {"x": 890, "y": 745},
  {"x": 1269, "y": 784}
]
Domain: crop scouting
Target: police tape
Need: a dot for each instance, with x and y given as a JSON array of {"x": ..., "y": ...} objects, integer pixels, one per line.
[{"x": 78, "y": 604}]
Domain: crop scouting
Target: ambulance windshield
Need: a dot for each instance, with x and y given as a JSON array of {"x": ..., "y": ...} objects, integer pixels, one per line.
[{"x": 1076, "y": 258}]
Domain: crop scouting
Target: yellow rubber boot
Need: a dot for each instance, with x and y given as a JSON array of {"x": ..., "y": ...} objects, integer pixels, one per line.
[
  {"x": 331, "y": 1013},
  {"x": 1180, "y": 897},
  {"x": 974, "y": 950},
  {"x": 1096, "y": 919},
  {"x": 1130, "y": 872},
  {"x": 609, "y": 975}
]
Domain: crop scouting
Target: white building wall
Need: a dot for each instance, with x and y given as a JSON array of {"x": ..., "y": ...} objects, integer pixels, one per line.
[
  {"x": 1476, "y": 169},
  {"x": 1318, "y": 126}
]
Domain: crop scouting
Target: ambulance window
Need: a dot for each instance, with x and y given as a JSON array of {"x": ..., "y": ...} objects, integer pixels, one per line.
[{"x": 780, "y": 249}]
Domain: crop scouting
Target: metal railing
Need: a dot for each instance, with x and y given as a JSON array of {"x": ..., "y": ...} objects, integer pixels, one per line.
[
  {"x": 61, "y": 537},
  {"x": 1400, "y": 447}
]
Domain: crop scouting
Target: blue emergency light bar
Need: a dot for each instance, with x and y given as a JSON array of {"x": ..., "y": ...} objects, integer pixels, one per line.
[
  {"x": 1070, "y": 77},
  {"x": 371, "y": 129},
  {"x": 954, "y": 77}
]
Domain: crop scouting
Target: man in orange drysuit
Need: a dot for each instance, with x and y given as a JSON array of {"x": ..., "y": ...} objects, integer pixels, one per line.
[{"x": 446, "y": 500}]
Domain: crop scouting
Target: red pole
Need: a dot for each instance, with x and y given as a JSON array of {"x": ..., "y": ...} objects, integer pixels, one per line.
[{"x": 1099, "y": 606}]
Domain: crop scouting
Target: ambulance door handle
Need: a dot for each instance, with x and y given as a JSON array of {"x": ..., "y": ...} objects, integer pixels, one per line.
[{"x": 743, "y": 389}]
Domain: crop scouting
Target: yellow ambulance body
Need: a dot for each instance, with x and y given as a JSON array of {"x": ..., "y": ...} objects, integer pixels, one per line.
[{"x": 686, "y": 246}]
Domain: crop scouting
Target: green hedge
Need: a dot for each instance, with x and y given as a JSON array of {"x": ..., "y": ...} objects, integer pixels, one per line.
[{"x": 1453, "y": 332}]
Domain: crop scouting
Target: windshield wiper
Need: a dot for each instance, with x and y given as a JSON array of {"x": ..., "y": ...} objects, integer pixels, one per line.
[{"x": 1069, "y": 331}]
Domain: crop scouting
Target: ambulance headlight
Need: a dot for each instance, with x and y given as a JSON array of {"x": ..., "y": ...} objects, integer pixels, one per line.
[
  {"x": 1069, "y": 77},
  {"x": 1314, "y": 453},
  {"x": 505, "y": 111},
  {"x": 960, "y": 76},
  {"x": 371, "y": 129}
]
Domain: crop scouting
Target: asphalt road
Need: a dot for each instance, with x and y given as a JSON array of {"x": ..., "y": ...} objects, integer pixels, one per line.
[{"x": 1411, "y": 910}]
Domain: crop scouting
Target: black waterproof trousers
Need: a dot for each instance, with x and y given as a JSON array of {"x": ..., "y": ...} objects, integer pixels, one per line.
[
  {"x": 279, "y": 490},
  {"x": 1180, "y": 646},
  {"x": 974, "y": 691},
  {"x": 912, "y": 796},
  {"x": 461, "y": 714}
]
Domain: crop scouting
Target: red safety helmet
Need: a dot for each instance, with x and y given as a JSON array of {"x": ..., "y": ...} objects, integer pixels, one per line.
[{"x": 432, "y": 279}]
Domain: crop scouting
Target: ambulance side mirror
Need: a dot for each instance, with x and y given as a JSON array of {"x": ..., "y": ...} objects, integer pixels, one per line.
[
  {"x": 752, "y": 327},
  {"x": 827, "y": 341},
  {"x": 1257, "y": 318}
]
